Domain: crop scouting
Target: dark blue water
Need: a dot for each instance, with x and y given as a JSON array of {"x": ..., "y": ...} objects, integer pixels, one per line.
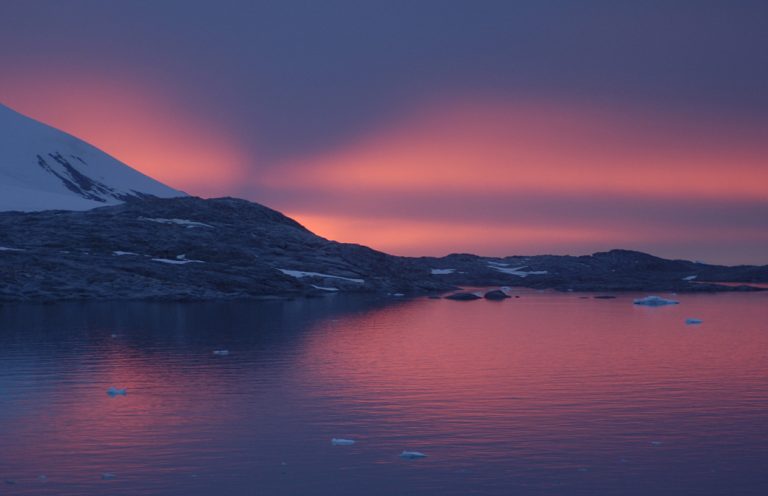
[{"x": 548, "y": 394}]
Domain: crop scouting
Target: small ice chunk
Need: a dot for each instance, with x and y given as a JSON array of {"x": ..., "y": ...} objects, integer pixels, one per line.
[
  {"x": 342, "y": 442},
  {"x": 108, "y": 476},
  {"x": 5, "y": 248},
  {"x": 123, "y": 253},
  {"x": 692, "y": 320},
  {"x": 655, "y": 301},
  {"x": 656, "y": 443},
  {"x": 42, "y": 478},
  {"x": 689, "y": 278},
  {"x": 412, "y": 455},
  {"x": 113, "y": 391},
  {"x": 221, "y": 352}
]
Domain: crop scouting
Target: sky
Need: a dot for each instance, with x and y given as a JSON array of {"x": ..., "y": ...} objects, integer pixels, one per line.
[{"x": 426, "y": 127}]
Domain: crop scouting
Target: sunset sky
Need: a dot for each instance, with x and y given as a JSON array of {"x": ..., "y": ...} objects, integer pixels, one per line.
[{"x": 426, "y": 127}]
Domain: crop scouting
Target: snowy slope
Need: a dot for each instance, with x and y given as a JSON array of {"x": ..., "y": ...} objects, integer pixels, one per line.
[{"x": 42, "y": 168}]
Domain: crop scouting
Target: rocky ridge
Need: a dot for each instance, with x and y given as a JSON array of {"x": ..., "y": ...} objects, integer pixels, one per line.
[{"x": 189, "y": 248}]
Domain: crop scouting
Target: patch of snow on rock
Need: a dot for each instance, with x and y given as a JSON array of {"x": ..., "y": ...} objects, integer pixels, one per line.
[
  {"x": 298, "y": 274},
  {"x": 324, "y": 288},
  {"x": 175, "y": 262},
  {"x": 179, "y": 222},
  {"x": 515, "y": 271},
  {"x": 441, "y": 272}
]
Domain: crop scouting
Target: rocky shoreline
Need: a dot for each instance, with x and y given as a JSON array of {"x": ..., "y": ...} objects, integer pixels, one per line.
[{"x": 194, "y": 249}]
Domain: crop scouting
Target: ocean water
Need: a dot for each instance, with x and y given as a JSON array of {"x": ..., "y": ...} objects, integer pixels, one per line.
[{"x": 546, "y": 394}]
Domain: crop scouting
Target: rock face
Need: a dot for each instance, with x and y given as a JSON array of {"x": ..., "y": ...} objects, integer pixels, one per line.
[
  {"x": 496, "y": 294},
  {"x": 463, "y": 296},
  {"x": 186, "y": 248},
  {"x": 191, "y": 249}
]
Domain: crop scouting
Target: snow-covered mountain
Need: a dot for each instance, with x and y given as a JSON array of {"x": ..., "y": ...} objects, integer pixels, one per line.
[{"x": 43, "y": 168}]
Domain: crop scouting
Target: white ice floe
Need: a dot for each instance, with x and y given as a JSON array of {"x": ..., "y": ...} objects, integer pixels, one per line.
[
  {"x": 113, "y": 391},
  {"x": 412, "y": 455},
  {"x": 655, "y": 301},
  {"x": 515, "y": 271},
  {"x": 221, "y": 352},
  {"x": 342, "y": 442},
  {"x": 178, "y": 222},
  {"x": 5, "y": 248},
  {"x": 298, "y": 274},
  {"x": 325, "y": 288},
  {"x": 691, "y": 321},
  {"x": 123, "y": 253},
  {"x": 442, "y": 272},
  {"x": 689, "y": 278},
  {"x": 182, "y": 261}
]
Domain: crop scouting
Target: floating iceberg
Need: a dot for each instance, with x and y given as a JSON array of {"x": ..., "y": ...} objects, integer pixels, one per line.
[
  {"x": 412, "y": 455},
  {"x": 113, "y": 391},
  {"x": 690, "y": 321},
  {"x": 221, "y": 352},
  {"x": 342, "y": 442},
  {"x": 655, "y": 301}
]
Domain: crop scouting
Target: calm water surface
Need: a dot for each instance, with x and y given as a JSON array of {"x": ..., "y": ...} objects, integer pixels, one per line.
[{"x": 547, "y": 394}]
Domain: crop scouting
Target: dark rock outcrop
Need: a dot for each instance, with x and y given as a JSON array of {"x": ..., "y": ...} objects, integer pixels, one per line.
[
  {"x": 193, "y": 249},
  {"x": 463, "y": 296},
  {"x": 496, "y": 295}
]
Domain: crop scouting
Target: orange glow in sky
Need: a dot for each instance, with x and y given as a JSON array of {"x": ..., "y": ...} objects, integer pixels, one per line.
[
  {"x": 398, "y": 187},
  {"x": 502, "y": 147},
  {"x": 448, "y": 158}
]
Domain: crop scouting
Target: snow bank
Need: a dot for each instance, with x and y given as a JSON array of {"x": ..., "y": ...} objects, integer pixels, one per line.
[
  {"x": 324, "y": 288},
  {"x": 298, "y": 274},
  {"x": 179, "y": 222},
  {"x": 440, "y": 272},
  {"x": 176, "y": 262},
  {"x": 515, "y": 271}
]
